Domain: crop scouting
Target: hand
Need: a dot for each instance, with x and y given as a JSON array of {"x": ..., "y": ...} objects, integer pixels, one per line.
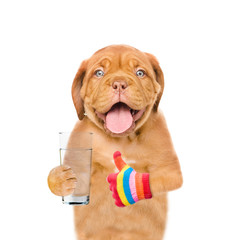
[
  {"x": 127, "y": 185},
  {"x": 62, "y": 180}
]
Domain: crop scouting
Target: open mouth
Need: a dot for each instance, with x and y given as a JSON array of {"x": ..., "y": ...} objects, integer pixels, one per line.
[{"x": 120, "y": 118}]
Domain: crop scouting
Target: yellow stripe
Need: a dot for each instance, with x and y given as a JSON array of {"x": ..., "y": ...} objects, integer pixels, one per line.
[{"x": 120, "y": 187}]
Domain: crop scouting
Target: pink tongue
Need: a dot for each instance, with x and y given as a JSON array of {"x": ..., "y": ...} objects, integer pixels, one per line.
[{"x": 119, "y": 118}]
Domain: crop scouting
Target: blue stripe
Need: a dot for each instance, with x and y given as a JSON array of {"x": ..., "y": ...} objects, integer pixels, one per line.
[{"x": 126, "y": 185}]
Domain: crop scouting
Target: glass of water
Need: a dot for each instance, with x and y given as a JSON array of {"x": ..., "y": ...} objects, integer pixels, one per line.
[{"x": 76, "y": 152}]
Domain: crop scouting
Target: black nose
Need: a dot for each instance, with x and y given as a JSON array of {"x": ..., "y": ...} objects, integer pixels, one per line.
[{"x": 119, "y": 85}]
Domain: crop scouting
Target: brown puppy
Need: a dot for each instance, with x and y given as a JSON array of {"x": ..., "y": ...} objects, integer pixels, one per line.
[{"x": 122, "y": 79}]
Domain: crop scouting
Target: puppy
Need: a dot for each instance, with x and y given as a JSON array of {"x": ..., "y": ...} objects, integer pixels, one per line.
[{"x": 116, "y": 94}]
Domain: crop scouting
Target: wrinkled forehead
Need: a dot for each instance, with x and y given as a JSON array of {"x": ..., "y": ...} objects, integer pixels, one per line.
[{"x": 118, "y": 58}]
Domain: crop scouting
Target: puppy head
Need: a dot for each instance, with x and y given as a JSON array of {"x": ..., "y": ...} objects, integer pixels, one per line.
[{"x": 118, "y": 88}]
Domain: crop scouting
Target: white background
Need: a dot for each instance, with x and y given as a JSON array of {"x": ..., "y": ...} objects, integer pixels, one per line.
[{"x": 200, "y": 47}]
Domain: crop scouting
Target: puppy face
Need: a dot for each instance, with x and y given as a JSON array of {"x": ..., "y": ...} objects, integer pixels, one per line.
[{"x": 118, "y": 88}]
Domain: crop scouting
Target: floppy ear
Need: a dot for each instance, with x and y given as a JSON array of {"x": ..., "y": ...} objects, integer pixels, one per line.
[
  {"x": 159, "y": 78},
  {"x": 76, "y": 90}
]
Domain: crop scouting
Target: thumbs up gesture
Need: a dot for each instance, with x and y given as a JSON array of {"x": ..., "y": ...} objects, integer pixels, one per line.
[{"x": 127, "y": 185}]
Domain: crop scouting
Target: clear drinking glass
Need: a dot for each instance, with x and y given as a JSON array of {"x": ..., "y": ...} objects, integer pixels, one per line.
[{"x": 76, "y": 152}]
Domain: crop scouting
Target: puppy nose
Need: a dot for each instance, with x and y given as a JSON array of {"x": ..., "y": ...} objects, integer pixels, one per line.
[{"x": 119, "y": 85}]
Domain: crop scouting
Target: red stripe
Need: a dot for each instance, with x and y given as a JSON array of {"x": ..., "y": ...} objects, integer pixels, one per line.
[
  {"x": 146, "y": 185},
  {"x": 112, "y": 180}
]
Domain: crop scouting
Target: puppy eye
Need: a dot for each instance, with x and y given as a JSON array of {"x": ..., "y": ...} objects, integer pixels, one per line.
[
  {"x": 140, "y": 73},
  {"x": 99, "y": 73}
]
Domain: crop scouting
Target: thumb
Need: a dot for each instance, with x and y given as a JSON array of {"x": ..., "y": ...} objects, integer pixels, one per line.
[{"x": 118, "y": 160}]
